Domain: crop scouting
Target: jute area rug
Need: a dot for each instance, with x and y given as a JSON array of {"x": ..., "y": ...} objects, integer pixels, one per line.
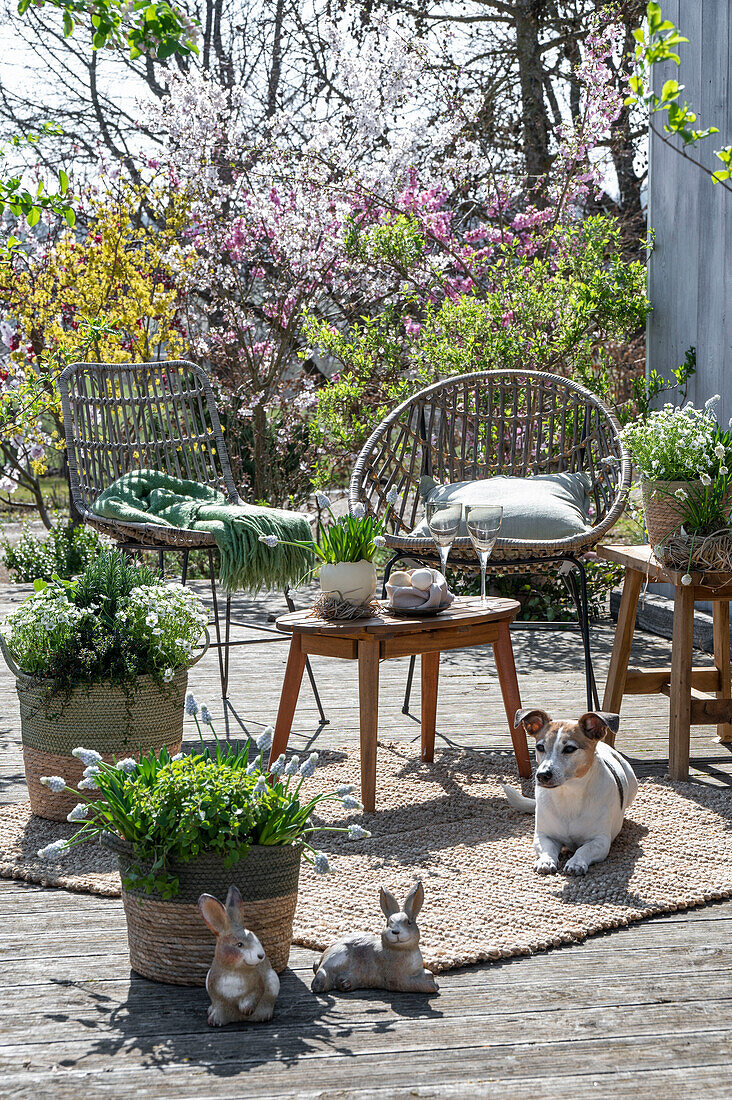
[{"x": 448, "y": 824}]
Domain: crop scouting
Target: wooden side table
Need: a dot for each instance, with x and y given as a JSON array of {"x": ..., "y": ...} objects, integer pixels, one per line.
[
  {"x": 698, "y": 696},
  {"x": 385, "y": 636}
]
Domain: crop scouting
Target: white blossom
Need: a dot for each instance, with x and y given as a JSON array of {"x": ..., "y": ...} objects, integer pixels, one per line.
[
  {"x": 79, "y": 812},
  {"x": 88, "y": 783},
  {"x": 345, "y": 788},
  {"x": 323, "y": 501},
  {"x": 705, "y": 479},
  {"x": 321, "y": 864},
  {"x": 191, "y": 706},
  {"x": 260, "y": 786},
  {"x": 308, "y": 766},
  {"x": 269, "y": 540},
  {"x": 178, "y": 756},
  {"x": 87, "y": 756},
  {"x": 392, "y": 497},
  {"x": 253, "y": 767},
  {"x": 264, "y": 741},
  {"x": 358, "y": 511},
  {"x": 55, "y": 783},
  {"x": 351, "y": 803},
  {"x": 379, "y": 541},
  {"x": 128, "y": 764},
  {"x": 206, "y": 716},
  {"x": 168, "y": 675},
  {"x": 720, "y": 450},
  {"x": 53, "y": 850},
  {"x": 355, "y": 832},
  {"x": 279, "y": 765},
  {"x": 292, "y": 767},
  {"x": 681, "y": 494}
]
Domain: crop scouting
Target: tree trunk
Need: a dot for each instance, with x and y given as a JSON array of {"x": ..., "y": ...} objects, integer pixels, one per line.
[{"x": 535, "y": 121}]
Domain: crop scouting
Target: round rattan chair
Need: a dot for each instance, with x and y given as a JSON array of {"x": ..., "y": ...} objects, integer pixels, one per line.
[
  {"x": 480, "y": 425},
  {"x": 129, "y": 416}
]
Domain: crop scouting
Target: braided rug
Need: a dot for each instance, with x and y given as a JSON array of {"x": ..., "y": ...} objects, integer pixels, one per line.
[{"x": 448, "y": 823}]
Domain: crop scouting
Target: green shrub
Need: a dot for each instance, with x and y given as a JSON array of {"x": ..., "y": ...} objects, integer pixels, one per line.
[
  {"x": 65, "y": 552},
  {"x": 544, "y": 596}
]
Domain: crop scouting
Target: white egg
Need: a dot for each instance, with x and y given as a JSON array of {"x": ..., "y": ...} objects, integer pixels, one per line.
[
  {"x": 422, "y": 578},
  {"x": 400, "y": 579}
]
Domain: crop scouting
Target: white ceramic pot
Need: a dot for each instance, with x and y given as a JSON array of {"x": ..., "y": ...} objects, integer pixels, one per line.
[{"x": 351, "y": 581}]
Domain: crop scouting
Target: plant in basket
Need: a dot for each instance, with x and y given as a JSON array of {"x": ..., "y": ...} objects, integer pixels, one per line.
[
  {"x": 102, "y": 659},
  {"x": 346, "y": 548},
  {"x": 184, "y": 825},
  {"x": 683, "y": 458}
]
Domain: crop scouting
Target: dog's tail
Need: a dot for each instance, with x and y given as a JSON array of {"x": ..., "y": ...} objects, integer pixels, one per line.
[{"x": 518, "y": 801}]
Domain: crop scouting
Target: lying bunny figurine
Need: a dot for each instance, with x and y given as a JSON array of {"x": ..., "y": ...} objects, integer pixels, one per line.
[
  {"x": 241, "y": 982},
  {"x": 393, "y": 961}
]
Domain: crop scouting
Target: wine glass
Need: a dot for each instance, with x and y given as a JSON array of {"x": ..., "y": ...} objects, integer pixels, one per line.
[
  {"x": 443, "y": 520},
  {"x": 483, "y": 522}
]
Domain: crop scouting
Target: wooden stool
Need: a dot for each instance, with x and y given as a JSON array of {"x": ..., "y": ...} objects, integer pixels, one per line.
[
  {"x": 699, "y": 696},
  {"x": 385, "y": 636}
]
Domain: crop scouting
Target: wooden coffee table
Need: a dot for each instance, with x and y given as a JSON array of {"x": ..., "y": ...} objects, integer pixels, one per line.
[{"x": 386, "y": 636}]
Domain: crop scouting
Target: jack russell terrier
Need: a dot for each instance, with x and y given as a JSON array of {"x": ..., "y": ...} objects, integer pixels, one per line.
[{"x": 583, "y": 788}]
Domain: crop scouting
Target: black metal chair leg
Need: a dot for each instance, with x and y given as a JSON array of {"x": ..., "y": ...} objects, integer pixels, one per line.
[
  {"x": 408, "y": 689},
  {"x": 309, "y": 669},
  {"x": 223, "y": 671},
  {"x": 579, "y": 596},
  {"x": 184, "y": 568}
]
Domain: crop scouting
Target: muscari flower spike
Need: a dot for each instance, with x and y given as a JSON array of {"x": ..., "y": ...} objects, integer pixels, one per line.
[
  {"x": 355, "y": 832},
  {"x": 79, "y": 812},
  {"x": 191, "y": 707},
  {"x": 351, "y": 803},
  {"x": 292, "y": 767},
  {"x": 308, "y": 766},
  {"x": 87, "y": 756},
  {"x": 279, "y": 765},
  {"x": 264, "y": 741},
  {"x": 269, "y": 540},
  {"x": 260, "y": 786},
  {"x": 206, "y": 716},
  {"x": 321, "y": 864},
  {"x": 54, "y": 850},
  {"x": 126, "y": 765},
  {"x": 55, "y": 783},
  {"x": 322, "y": 500}
]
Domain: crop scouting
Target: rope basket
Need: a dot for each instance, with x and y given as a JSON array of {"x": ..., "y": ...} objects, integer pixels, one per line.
[
  {"x": 663, "y": 511},
  {"x": 113, "y": 720},
  {"x": 709, "y": 554},
  {"x": 169, "y": 941}
]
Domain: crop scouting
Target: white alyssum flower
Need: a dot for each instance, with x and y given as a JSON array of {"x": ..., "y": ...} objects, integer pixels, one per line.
[
  {"x": 308, "y": 766},
  {"x": 54, "y": 850},
  {"x": 321, "y": 864},
  {"x": 79, "y": 812},
  {"x": 55, "y": 783},
  {"x": 269, "y": 540},
  {"x": 128, "y": 764},
  {"x": 358, "y": 511},
  {"x": 279, "y": 765},
  {"x": 264, "y": 741},
  {"x": 292, "y": 767},
  {"x": 355, "y": 832},
  {"x": 191, "y": 706},
  {"x": 392, "y": 497},
  {"x": 206, "y": 716},
  {"x": 87, "y": 756},
  {"x": 168, "y": 675},
  {"x": 686, "y": 579},
  {"x": 379, "y": 542},
  {"x": 260, "y": 786},
  {"x": 322, "y": 500},
  {"x": 351, "y": 803}
]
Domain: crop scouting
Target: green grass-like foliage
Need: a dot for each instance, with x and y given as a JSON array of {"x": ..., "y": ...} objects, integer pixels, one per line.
[{"x": 172, "y": 810}]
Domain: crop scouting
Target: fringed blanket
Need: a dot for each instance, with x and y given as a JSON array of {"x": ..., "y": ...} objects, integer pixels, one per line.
[{"x": 149, "y": 496}]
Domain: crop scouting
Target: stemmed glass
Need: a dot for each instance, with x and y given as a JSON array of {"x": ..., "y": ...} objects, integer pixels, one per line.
[
  {"x": 443, "y": 520},
  {"x": 483, "y": 522}
]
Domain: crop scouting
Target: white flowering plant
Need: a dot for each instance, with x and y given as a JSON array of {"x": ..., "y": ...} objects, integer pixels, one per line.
[
  {"x": 173, "y": 809},
  {"x": 353, "y": 537},
  {"x": 116, "y": 622}
]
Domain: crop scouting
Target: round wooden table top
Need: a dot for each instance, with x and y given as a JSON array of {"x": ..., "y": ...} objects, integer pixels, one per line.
[{"x": 464, "y": 611}]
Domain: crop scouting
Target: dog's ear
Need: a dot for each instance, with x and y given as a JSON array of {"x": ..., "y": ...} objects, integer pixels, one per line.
[
  {"x": 596, "y": 723},
  {"x": 533, "y": 720}
]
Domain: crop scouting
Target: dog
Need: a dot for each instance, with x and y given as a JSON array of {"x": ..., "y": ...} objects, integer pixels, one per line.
[{"x": 583, "y": 788}]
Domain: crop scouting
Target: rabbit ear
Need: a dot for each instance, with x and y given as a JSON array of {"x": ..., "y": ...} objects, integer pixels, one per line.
[
  {"x": 213, "y": 913},
  {"x": 389, "y": 904},
  {"x": 234, "y": 905},
  {"x": 415, "y": 901}
]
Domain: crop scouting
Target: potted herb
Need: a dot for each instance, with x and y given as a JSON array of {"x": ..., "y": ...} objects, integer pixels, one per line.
[
  {"x": 683, "y": 459},
  {"x": 103, "y": 660},
  {"x": 346, "y": 548},
  {"x": 186, "y": 825}
]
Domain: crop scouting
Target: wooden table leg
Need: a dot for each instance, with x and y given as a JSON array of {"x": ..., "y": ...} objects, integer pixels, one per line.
[
  {"x": 681, "y": 657},
  {"x": 288, "y": 698},
  {"x": 720, "y": 611},
  {"x": 368, "y": 701},
  {"x": 430, "y": 681},
  {"x": 506, "y": 668},
  {"x": 618, "y": 671}
]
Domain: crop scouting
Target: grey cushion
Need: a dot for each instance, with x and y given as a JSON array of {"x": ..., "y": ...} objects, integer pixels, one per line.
[{"x": 546, "y": 507}]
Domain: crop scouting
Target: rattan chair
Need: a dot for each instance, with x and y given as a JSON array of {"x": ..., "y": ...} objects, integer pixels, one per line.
[
  {"x": 163, "y": 416},
  {"x": 497, "y": 422}
]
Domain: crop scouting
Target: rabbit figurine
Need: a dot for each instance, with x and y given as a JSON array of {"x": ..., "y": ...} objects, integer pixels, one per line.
[
  {"x": 391, "y": 961},
  {"x": 241, "y": 983}
]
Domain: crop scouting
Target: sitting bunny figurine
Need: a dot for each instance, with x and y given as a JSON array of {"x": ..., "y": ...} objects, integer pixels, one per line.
[
  {"x": 392, "y": 961},
  {"x": 241, "y": 982}
]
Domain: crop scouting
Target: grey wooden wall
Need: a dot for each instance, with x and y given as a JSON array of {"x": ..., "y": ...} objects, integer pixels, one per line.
[{"x": 690, "y": 269}]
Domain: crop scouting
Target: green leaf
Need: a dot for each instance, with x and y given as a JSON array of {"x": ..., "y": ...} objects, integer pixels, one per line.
[
  {"x": 63, "y": 180},
  {"x": 670, "y": 90},
  {"x": 33, "y": 215},
  {"x": 70, "y": 217}
]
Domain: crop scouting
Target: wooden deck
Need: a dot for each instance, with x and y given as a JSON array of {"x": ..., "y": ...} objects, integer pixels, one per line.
[{"x": 645, "y": 1010}]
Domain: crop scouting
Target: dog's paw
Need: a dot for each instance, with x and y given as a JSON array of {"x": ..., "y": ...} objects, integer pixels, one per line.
[
  {"x": 545, "y": 865},
  {"x": 576, "y": 866},
  {"x": 214, "y": 1017}
]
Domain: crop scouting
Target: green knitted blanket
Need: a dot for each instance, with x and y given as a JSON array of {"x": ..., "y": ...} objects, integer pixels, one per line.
[{"x": 149, "y": 496}]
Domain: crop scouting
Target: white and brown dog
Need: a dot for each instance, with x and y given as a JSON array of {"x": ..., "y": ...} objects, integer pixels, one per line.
[{"x": 583, "y": 788}]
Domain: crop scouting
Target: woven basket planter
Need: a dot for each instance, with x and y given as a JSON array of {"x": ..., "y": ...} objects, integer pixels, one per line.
[
  {"x": 168, "y": 939},
  {"x": 704, "y": 554},
  {"x": 115, "y": 721},
  {"x": 662, "y": 510}
]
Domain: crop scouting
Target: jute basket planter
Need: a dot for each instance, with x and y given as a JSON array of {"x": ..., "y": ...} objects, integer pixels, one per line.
[
  {"x": 705, "y": 554},
  {"x": 101, "y": 716},
  {"x": 168, "y": 939},
  {"x": 662, "y": 509}
]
